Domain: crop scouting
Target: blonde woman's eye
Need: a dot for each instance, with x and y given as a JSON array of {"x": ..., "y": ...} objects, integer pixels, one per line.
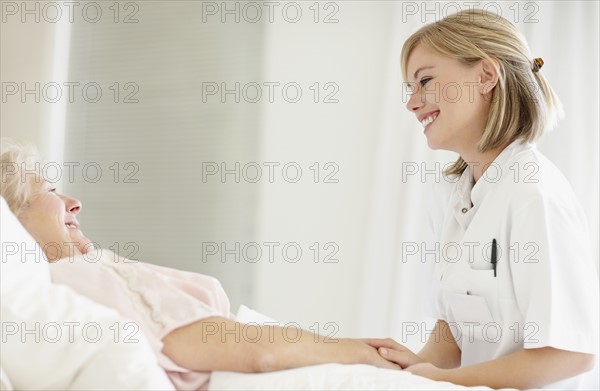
[
  {"x": 424, "y": 81},
  {"x": 53, "y": 190}
]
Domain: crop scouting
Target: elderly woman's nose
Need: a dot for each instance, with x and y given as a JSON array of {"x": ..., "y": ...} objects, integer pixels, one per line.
[{"x": 72, "y": 205}]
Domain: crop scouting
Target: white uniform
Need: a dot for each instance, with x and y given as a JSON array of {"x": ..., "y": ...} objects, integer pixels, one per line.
[{"x": 545, "y": 291}]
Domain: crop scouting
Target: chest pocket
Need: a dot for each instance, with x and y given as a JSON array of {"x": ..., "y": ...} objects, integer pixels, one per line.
[{"x": 472, "y": 300}]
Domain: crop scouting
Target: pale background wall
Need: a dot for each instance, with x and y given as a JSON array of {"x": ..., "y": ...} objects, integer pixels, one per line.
[
  {"x": 171, "y": 131},
  {"x": 33, "y": 52}
]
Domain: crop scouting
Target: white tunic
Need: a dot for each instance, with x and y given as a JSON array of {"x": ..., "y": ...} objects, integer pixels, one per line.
[{"x": 545, "y": 291}]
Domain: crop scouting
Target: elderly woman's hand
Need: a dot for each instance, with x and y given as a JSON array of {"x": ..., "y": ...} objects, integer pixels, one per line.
[
  {"x": 371, "y": 355},
  {"x": 394, "y": 352}
]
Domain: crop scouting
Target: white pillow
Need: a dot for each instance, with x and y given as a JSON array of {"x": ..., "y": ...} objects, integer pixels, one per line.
[
  {"x": 4, "y": 382},
  {"x": 44, "y": 345}
]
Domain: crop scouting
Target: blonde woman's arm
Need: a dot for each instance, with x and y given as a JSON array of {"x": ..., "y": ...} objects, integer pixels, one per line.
[{"x": 524, "y": 369}]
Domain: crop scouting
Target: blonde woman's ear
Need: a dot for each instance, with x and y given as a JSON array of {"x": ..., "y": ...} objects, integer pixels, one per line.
[{"x": 488, "y": 75}]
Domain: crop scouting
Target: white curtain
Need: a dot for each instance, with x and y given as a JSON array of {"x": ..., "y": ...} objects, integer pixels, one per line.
[
  {"x": 151, "y": 140},
  {"x": 33, "y": 53},
  {"x": 565, "y": 35}
]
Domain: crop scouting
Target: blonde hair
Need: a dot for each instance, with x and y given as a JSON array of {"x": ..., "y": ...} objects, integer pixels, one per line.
[
  {"x": 16, "y": 187},
  {"x": 523, "y": 105}
]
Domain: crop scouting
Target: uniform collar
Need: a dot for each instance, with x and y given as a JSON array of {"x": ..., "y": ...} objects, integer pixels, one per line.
[
  {"x": 469, "y": 192},
  {"x": 463, "y": 212}
]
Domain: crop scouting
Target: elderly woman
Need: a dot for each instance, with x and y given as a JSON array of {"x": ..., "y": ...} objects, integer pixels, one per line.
[{"x": 185, "y": 316}]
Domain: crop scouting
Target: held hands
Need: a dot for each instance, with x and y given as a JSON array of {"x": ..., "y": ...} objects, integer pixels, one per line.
[
  {"x": 367, "y": 354},
  {"x": 405, "y": 358},
  {"x": 394, "y": 352}
]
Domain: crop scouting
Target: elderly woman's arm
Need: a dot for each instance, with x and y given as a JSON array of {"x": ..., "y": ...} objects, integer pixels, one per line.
[{"x": 218, "y": 343}]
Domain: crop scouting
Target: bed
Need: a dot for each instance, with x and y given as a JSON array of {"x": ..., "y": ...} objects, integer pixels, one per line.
[
  {"x": 330, "y": 377},
  {"x": 28, "y": 297}
]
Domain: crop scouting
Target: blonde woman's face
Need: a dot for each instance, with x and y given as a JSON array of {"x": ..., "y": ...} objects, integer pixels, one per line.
[
  {"x": 451, "y": 94},
  {"x": 51, "y": 219}
]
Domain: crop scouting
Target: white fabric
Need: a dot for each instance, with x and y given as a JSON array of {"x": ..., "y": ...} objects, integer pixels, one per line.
[
  {"x": 248, "y": 315},
  {"x": 44, "y": 345},
  {"x": 156, "y": 299},
  {"x": 5, "y": 384},
  {"x": 330, "y": 377},
  {"x": 545, "y": 291},
  {"x": 324, "y": 376}
]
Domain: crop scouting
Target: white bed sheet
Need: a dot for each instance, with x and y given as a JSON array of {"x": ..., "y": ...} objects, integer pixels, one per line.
[
  {"x": 330, "y": 377},
  {"x": 324, "y": 376}
]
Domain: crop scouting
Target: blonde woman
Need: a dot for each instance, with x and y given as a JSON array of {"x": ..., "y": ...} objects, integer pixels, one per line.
[{"x": 516, "y": 292}]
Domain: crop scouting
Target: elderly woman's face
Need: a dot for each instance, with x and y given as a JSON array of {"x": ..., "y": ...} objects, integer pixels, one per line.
[{"x": 51, "y": 219}]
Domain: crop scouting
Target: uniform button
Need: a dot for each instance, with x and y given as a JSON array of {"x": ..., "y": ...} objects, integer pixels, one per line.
[{"x": 465, "y": 210}]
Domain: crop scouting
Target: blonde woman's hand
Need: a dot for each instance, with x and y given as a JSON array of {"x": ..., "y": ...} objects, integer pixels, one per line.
[
  {"x": 394, "y": 352},
  {"x": 373, "y": 357}
]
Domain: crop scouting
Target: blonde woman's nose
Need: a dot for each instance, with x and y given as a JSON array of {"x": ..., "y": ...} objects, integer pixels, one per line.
[{"x": 415, "y": 102}]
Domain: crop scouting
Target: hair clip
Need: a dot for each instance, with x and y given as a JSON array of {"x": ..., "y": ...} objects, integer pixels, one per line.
[{"x": 538, "y": 63}]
